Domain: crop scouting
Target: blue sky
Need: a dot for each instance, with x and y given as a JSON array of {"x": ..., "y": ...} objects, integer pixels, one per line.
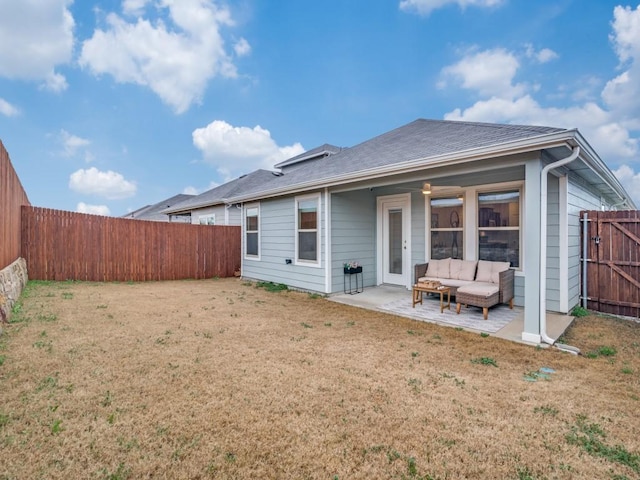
[{"x": 107, "y": 106}]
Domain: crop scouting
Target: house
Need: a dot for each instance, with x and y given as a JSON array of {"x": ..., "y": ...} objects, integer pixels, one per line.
[
  {"x": 212, "y": 207},
  {"x": 428, "y": 190},
  {"x": 154, "y": 212}
]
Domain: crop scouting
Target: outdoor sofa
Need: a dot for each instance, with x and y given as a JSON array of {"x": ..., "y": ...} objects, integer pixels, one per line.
[{"x": 478, "y": 283}]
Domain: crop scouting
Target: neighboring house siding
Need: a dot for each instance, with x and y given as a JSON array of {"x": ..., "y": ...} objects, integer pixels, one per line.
[
  {"x": 580, "y": 198},
  {"x": 224, "y": 216},
  {"x": 353, "y": 235},
  {"x": 218, "y": 211},
  {"x": 277, "y": 244}
]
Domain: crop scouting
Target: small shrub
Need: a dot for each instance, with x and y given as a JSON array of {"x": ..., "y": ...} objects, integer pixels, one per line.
[
  {"x": 484, "y": 335},
  {"x": 607, "y": 351},
  {"x": 272, "y": 287},
  {"x": 579, "y": 311}
]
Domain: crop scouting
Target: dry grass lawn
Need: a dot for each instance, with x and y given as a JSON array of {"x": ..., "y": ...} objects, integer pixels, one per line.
[{"x": 221, "y": 379}]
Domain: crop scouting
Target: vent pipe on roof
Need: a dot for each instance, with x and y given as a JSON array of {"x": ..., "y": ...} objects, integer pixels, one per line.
[{"x": 543, "y": 240}]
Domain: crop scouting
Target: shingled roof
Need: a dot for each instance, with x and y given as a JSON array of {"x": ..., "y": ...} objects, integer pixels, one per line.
[
  {"x": 154, "y": 212},
  {"x": 220, "y": 194},
  {"x": 421, "y": 140}
]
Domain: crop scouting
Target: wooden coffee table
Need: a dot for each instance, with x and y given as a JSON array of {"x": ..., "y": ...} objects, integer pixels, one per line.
[{"x": 419, "y": 290}]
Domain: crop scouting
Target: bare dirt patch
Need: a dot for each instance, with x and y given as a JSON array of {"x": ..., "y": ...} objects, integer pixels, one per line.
[{"x": 221, "y": 379}]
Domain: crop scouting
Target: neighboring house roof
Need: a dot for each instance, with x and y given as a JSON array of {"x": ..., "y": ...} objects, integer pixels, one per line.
[
  {"x": 220, "y": 194},
  {"x": 315, "y": 153},
  {"x": 422, "y": 144},
  {"x": 154, "y": 212}
]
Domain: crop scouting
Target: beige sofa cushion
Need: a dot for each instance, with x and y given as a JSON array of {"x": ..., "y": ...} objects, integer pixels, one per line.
[
  {"x": 439, "y": 268},
  {"x": 462, "y": 269},
  {"x": 481, "y": 289},
  {"x": 490, "y": 271}
]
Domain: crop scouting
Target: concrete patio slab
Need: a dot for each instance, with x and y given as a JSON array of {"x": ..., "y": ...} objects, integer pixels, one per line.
[{"x": 373, "y": 298}]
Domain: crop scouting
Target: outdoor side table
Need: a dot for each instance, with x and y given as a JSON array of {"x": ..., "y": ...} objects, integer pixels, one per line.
[
  {"x": 419, "y": 290},
  {"x": 355, "y": 276}
]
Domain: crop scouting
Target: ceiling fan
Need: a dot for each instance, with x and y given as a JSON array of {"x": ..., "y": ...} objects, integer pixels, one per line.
[{"x": 428, "y": 188}]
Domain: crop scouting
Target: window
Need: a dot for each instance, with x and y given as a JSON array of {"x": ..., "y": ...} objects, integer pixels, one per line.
[
  {"x": 447, "y": 228},
  {"x": 251, "y": 226},
  {"x": 499, "y": 227},
  {"x": 308, "y": 234},
  {"x": 207, "y": 219}
]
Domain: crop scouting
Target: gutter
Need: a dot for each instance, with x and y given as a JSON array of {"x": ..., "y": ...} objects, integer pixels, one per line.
[{"x": 543, "y": 239}]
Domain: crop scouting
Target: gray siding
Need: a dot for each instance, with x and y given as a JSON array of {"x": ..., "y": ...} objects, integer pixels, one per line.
[
  {"x": 418, "y": 229},
  {"x": 217, "y": 210},
  {"x": 580, "y": 198},
  {"x": 277, "y": 244},
  {"x": 553, "y": 244},
  {"x": 221, "y": 211},
  {"x": 353, "y": 235},
  {"x": 235, "y": 215}
]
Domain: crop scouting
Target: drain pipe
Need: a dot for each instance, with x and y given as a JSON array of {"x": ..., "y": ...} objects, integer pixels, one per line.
[{"x": 543, "y": 240}]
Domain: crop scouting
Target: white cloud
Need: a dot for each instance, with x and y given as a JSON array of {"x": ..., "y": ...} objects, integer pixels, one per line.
[
  {"x": 72, "y": 144},
  {"x": 541, "y": 56},
  {"x": 93, "y": 209},
  {"x": 235, "y": 150},
  {"x": 425, "y": 7},
  {"x": 109, "y": 184},
  {"x": 610, "y": 122},
  {"x": 489, "y": 72},
  {"x": 134, "y": 7},
  {"x": 35, "y": 38},
  {"x": 630, "y": 180},
  {"x": 626, "y": 32},
  {"x": 7, "y": 109},
  {"x": 622, "y": 94},
  {"x": 175, "y": 60},
  {"x": 190, "y": 190},
  {"x": 242, "y": 47}
]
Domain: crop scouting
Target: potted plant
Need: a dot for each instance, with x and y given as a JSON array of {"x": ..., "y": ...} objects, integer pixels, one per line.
[{"x": 352, "y": 267}]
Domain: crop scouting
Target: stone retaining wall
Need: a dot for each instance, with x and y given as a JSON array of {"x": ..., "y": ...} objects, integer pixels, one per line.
[{"x": 12, "y": 280}]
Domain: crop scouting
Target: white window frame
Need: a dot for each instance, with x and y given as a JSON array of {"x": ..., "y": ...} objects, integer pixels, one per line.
[
  {"x": 297, "y": 200},
  {"x": 245, "y": 231},
  {"x": 209, "y": 219},
  {"x": 497, "y": 190},
  {"x": 461, "y": 222}
]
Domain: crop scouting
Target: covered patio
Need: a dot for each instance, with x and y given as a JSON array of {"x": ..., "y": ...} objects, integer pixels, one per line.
[{"x": 502, "y": 322}]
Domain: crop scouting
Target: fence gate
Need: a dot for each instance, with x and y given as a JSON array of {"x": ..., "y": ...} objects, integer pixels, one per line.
[{"x": 611, "y": 261}]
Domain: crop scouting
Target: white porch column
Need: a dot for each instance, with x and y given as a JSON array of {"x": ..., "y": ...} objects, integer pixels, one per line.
[{"x": 531, "y": 241}]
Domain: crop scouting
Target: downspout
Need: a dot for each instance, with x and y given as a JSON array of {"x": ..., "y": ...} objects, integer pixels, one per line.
[
  {"x": 585, "y": 230},
  {"x": 543, "y": 240}
]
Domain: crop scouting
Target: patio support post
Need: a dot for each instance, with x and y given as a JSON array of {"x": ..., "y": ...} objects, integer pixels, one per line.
[{"x": 531, "y": 240}]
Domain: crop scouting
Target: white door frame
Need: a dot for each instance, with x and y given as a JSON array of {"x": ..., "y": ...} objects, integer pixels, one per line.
[{"x": 398, "y": 201}]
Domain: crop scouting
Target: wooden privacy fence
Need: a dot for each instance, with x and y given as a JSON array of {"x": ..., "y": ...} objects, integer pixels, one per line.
[
  {"x": 59, "y": 245},
  {"x": 12, "y": 197},
  {"x": 611, "y": 254}
]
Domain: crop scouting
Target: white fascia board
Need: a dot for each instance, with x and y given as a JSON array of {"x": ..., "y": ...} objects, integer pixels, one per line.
[
  {"x": 556, "y": 139},
  {"x": 191, "y": 208},
  {"x": 595, "y": 163}
]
